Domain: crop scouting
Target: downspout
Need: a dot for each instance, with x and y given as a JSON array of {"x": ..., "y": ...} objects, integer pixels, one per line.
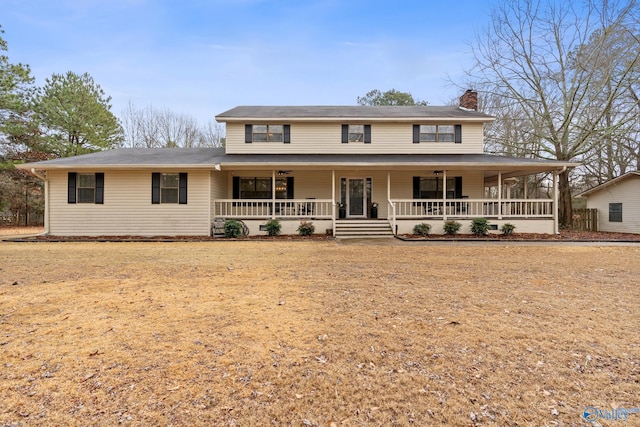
[{"x": 43, "y": 177}]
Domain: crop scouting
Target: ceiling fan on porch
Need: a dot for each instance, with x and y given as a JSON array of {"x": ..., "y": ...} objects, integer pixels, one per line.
[{"x": 282, "y": 173}]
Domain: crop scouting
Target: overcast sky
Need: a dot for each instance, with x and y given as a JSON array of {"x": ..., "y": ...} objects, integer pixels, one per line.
[{"x": 202, "y": 57}]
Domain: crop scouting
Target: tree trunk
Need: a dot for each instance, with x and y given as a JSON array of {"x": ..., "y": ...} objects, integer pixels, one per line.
[{"x": 565, "y": 212}]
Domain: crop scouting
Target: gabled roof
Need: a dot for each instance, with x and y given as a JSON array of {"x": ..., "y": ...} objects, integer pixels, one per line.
[
  {"x": 215, "y": 158},
  {"x": 357, "y": 112},
  {"x": 610, "y": 182}
]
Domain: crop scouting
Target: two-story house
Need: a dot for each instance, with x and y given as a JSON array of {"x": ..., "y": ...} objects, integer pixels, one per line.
[{"x": 349, "y": 169}]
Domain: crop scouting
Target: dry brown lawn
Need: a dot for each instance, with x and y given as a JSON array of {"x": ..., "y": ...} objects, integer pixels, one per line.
[{"x": 316, "y": 333}]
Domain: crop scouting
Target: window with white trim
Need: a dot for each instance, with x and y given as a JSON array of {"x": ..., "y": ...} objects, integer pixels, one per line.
[
  {"x": 267, "y": 133},
  {"x": 436, "y": 133},
  {"x": 85, "y": 188}
]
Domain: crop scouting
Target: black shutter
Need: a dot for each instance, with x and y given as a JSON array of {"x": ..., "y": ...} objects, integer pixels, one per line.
[
  {"x": 155, "y": 188},
  {"x": 416, "y": 187},
  {"x": 416, "y": 134},
  {"x": 290, "y": 187},
  {"x": 99, "y": 188},
  {"x": 248, "y": 134},
  {"x": 345, "y": 134},
  {"x": 71, "y": 190},
  {"x": 367, "y": 134},
  {"x": 182, "y": 189},
  {"x": 457, "y": 133},
  {"x": 236, "y": 187},
  {"x": 286, "y": 129},
  {"x": 458, "y": 187}
]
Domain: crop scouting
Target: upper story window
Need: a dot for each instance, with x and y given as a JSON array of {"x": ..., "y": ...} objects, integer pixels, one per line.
[
  {"x": 85, "y": 188},
  {"x": 356, "y": 133},
  {"x": 168, "y": 188},
  {"x": 267, "y": 133},
  {"x": 437, "y": 133}
]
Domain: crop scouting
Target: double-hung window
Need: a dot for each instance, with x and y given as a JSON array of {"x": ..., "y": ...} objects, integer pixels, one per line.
[
  {"x": 437, "y": 133},
  {"x": 267, "y": 133},
  {"x": 85, "y": 188},
  {"x": 356, "y": 134},
  {"x": 615, "y": 212},
  {"x": 168, "y": 188}
]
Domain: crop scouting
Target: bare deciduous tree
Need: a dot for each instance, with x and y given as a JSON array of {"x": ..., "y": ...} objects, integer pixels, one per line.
[
  {"x": 549, "y": 66},
  {"x": 151, "y": 128}
]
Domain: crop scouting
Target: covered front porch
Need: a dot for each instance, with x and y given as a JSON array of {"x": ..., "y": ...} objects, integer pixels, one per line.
[{"x": 401, "y": 197}]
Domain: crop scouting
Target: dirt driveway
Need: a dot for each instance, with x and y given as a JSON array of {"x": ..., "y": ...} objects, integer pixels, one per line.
[{"x": 316, "y": 333}]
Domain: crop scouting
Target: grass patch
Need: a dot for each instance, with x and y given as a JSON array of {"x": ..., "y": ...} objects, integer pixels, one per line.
[{"x": 310, "y": 333}]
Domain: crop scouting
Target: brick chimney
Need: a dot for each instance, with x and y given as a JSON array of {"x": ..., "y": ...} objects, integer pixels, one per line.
[{"x": 469, "y": 100}]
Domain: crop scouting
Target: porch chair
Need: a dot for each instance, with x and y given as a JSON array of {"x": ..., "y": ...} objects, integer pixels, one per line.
[{"x": 217, "y": 228}]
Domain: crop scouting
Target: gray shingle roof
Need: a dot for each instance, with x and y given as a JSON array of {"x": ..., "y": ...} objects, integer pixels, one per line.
[
  {"x": 346, "y": 112},
  {"x": 207, "y": 158},
  {"x": 137, "y": 157}
]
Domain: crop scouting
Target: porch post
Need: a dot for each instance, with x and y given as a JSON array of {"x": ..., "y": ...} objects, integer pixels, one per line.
[
  {"x": 392, "y": 211},
  {"x": 499, "y": 194},
  {"x": 273, "y": 194},
  {"x": 526, "y": 204},
  {"x": 333, "y": 201},
  {"x": 556, "y": 229},
  {"x": 444, "y": 194}
]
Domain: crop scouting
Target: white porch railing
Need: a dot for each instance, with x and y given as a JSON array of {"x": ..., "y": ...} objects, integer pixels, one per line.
[
  {"x": 472, "y": 208},
  {"x": 261, "y": 208}
]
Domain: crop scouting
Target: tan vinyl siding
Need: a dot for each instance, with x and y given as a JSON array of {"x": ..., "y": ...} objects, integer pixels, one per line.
[
  {"x": 219, "y": 185},
  {"x": 627, "y": 192},
  {"x": 127, "y": 208},
  {"x": 326, "y": 138}
]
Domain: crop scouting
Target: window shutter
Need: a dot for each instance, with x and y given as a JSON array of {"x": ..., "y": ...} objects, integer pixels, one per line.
[
  {"x": 367, "y": 134},
  {"x": 289, "y": 187},
  {"x": 71, "y": 191},
  {"x": 155, "y": 188},
  {"x": 99, "y": 188},
  {"x": 416, "y": 187},
  {"x": 182, "y": 188},
  {"x": 248, "y": 134},
  {"x": 458, "y": 187},
  {"x": 236, "y": 187},
  {"x": 345, "y": 134},
  {"x": 416, "y": 134},
  {"x": 457, "y": 133},
  {"x": 286, "y": 129}
]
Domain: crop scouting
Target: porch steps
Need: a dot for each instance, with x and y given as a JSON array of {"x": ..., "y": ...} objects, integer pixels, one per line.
[{"x": 365, "y": 228}]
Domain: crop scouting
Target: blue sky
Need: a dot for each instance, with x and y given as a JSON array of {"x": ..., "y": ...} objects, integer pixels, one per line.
[{"x": 202, "y": 57}]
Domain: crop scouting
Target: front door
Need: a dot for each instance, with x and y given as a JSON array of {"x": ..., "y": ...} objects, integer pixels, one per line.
[{"x": 356, "y": 198}]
